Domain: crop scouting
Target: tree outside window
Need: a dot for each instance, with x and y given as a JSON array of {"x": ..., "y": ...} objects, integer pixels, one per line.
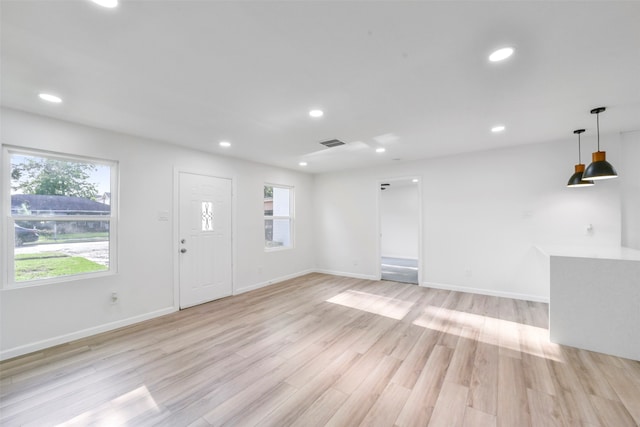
[{"x": 63, "y": 216}]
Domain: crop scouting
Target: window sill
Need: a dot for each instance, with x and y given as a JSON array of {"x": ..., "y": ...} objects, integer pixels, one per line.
[{"x": 278, "y": 249}]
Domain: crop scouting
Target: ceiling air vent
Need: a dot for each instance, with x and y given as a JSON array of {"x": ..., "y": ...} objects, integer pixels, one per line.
[{"x": 332, "y": 143}]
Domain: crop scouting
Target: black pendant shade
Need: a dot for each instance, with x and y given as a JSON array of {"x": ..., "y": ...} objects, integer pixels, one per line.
[
  {"x": 576, "y": 179},
  {"x": 599, "y": 167}
]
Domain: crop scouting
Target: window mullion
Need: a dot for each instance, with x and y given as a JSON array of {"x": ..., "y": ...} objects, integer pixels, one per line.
[{"x": 61, "y": 218}]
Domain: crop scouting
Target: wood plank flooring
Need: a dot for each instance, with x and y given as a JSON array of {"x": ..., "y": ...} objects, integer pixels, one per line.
[{"x": 326, "y": 350}]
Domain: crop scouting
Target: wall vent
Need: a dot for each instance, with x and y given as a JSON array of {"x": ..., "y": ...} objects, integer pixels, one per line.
[{"x": 332, "y": 143}]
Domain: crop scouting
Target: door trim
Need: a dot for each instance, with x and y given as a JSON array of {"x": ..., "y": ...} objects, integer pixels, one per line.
[
  {"x": 175, "y": 225},
  {"x": 379, "y": 223}
]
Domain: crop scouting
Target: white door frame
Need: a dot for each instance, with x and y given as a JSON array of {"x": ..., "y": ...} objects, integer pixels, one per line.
[
  {"x": 379, "y": 223},
  {"x": 176, "y": 229}
]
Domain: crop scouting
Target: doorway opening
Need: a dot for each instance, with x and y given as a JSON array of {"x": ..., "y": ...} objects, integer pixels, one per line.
[
  {"x": 400, "y": 230},
  {"x": 399, "y": 270}
]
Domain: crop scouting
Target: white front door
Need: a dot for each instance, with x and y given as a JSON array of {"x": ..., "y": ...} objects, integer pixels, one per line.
[{"x": 205, "y": 238}]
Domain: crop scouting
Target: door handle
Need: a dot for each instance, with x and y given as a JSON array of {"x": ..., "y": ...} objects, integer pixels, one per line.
[{"x": 183, "y": 250}]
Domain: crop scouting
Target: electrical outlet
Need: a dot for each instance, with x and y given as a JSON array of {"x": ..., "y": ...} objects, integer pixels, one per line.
[
  {"x": 114, "y": 297},
  {"x": 589, "y": 229}
]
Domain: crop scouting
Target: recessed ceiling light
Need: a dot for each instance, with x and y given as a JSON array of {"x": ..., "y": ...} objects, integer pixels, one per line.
[
  {"x": 380, "y": 150},
  {"x": 501, "y": 54},
  {"x": 303, "y": 163},
  {"x": 106, "y": 3},
  {"x": 497, "y": 129},
  {"x": 414, "y": 180},
  {"x": 225, "y": 144},
  {"x": 316, "y": 113},
  {"x": 50, "y": 98}
]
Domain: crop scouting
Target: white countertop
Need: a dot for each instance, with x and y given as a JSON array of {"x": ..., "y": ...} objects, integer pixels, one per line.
[{"x": 602, "y": 252}]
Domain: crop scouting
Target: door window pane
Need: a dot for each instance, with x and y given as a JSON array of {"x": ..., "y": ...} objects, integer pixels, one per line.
[{"x": 207, "y": 216}]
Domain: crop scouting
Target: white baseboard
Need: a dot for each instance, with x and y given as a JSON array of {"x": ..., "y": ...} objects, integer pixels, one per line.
[
  {"x": 410, "y": 257},
  {"x": 447, "y": 287},
  {"x": 345, "y": 274},
  {"x": 40, "y": 345},
  {"x": 271, "y": 282},
  {"x": 513, "y": 295},
  {"x": 62, "y": 339}
]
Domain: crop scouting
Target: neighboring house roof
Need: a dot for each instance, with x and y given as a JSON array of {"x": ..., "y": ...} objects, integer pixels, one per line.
[{"x": 40, "y": 204}]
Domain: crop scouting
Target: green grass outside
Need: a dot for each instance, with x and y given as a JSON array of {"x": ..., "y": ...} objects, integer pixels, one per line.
[
  {"x": 46, "y": 265},
  {"x": 46, "y": 237}
]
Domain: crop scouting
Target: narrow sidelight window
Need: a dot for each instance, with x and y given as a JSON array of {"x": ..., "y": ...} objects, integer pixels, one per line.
[{"x": 278, "y": 217}]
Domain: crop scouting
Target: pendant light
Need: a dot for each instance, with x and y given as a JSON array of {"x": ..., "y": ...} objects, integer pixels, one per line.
[
  {"x": 599, "y": 167},
  {"x": 576, "y": 179}
]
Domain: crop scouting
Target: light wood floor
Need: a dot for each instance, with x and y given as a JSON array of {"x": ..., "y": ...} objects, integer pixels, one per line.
[{"x": 327, "y": 350}]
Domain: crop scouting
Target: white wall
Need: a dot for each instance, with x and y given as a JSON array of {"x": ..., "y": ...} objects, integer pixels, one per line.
[
  {"x": 41, "y": 316},
  {"x": 483, "y": 215},
  {"x": 629, "y": 175},
  {"x": 399, "y": 221}
]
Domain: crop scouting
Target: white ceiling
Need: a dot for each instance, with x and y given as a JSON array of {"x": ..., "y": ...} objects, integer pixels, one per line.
[{"x": 412, "y": 77}]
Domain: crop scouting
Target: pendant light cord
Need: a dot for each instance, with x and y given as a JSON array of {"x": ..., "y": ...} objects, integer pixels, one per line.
[
  {"x": 579, "y": 150},
  {"x": 598, "y": 127}
]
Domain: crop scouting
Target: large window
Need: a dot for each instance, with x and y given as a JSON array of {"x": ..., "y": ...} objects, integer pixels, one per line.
[
  {"x": 62, "y": 217},
  {"x": 278, "y": 217}
]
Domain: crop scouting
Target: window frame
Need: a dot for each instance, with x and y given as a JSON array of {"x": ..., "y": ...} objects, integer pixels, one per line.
[
  {"x": 290, "y": 217},
  {"x": 8, "y": 218}
]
